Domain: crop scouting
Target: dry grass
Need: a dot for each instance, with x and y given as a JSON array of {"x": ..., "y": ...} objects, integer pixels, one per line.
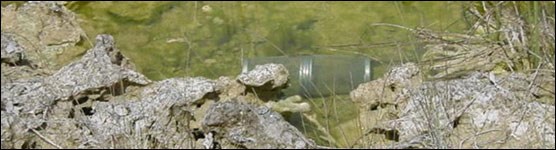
[
  {"x": 495, "y": 22},
  {"x": 524, "y": 30},
  {"x": 527, "y": 30}
]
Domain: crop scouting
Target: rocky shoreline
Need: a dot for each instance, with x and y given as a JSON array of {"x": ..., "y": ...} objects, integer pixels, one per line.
[{"x": 100, "y": 101}]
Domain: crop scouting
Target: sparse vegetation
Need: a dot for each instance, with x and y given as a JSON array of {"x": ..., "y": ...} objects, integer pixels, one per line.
[{"x": 459, "y": 39}]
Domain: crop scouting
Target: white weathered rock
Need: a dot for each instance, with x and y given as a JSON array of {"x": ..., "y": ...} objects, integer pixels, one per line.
[
  {"x": 478, "y": 108},
  {"x": 276, "y": 74},
  {"x": 253, "y": 127}
]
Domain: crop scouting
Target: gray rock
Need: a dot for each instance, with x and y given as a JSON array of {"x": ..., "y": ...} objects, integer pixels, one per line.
[
  {"x": 44, "y": 30},
  {"x": 471, "y": 112},
  {"x": 155, "y": 106},
  {"x": 29, "y": 99},
  {"x": 44, "y": 106},
  {"x": 276, "y": 74},
  {"x": 94, "y": 70},
  {"x": 11, "y": 50},
  {"x": 253, "y": 127}
]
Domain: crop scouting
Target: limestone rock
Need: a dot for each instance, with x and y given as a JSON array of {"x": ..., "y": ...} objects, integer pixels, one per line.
[
  {"x": 275, "y": 74},
  {"x": 253, "y": 127}
]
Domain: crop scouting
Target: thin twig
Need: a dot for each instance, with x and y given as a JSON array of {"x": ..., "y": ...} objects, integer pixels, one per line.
[
  {"x": 46, "y": 139},
  {"x": 357, "y": 53},
  {"x": 393, "y": 25},
  {"x": 475, "y": 135}
]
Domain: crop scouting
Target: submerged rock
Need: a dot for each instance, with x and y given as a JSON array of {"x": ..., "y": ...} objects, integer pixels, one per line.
[{"x": 44, "y": 30}]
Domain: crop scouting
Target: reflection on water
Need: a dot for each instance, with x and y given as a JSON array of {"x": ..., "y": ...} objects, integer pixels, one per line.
[{"x": 171, "y": 39}]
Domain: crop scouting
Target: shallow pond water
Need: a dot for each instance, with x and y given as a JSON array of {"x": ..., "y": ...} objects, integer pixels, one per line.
[
  {"x": 175, "y": 39},
  {"x": 169, "y": 39}
]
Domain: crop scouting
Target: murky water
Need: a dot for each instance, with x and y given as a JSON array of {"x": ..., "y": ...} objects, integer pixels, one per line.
[
  {"x": 174, "y": 39},
  {"x": 169, "y": 39}
]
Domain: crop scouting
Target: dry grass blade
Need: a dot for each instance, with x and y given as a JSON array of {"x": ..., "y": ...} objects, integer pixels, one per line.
[{"x": 46, "y": 139}]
